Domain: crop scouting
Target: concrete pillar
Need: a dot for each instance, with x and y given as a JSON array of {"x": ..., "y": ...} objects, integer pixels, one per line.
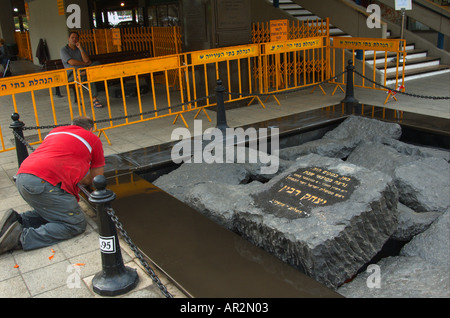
[{"x": 7, "y": 22}]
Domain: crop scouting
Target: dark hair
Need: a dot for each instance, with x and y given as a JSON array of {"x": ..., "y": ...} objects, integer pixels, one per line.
[
  {"x": 84, "y": 122},
  {"x": 70, "y": 33}
]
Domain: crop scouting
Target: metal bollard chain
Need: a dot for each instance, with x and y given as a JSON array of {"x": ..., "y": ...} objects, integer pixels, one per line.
[
  {"x": 401, "y": 92},
  {"x": 138, "y": 254},
  {"x": 287, "y": 91},
  {"x": 22, "y": 140}
]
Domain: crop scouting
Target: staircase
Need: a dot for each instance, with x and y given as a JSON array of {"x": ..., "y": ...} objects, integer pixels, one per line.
[
  {"x": 417, "y": 65},
  {"x": 301, "y": 14}
]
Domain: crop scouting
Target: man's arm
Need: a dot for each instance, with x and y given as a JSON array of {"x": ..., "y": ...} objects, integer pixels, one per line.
[
  {"x": 84, "y": 56},
  {"x": 67, "y": 57},
  {"x": 87, "y": 180}
]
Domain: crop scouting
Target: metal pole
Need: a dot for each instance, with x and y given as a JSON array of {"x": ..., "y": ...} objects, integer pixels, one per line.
[
  {"x": 349, "y": 93},
  {"x": 115, "y": 278},
  {"x": 221, "y": 116},
  {"x": 21, "y": 148},
  {"x": 403, "y": 27}
]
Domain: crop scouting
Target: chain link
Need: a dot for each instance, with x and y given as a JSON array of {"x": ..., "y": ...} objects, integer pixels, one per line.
[
  {"x": 127, "y": 116},
  {"x": 138, "y": 253},
  {"x": 288, "y": 91},
  {"x": 22, "y": 140},
  {"x": 401, "y": 92}
]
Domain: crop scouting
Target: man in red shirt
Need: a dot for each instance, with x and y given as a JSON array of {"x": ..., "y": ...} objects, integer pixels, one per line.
[{"x": 48, "y": 181}]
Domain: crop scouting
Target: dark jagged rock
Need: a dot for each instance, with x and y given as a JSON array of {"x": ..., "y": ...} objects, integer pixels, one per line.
[
  {"x": 331, "y": 239},
  {"x": 411, "y": 223},
  {"x": 400, "y": 277},
  {"x": 424, "y": 184},
  {"x": 432, "y": 245},
  {"x": 340, "y": 142},
  {"x": 335, "y": 239}
]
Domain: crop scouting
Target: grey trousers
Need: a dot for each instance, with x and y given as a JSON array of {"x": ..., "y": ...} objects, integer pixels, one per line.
[{"x": 56, "y": 215}]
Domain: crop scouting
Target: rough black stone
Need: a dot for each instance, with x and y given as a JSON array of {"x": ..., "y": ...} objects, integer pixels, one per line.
[{"x": 335, "y": 240}]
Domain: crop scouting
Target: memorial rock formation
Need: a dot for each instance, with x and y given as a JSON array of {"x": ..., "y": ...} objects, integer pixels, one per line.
[{"x": 334, "y": 204}]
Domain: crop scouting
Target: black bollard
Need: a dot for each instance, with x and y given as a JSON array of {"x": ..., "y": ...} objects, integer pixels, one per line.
[
  {"x": 350, "y": 99},
  {"x": 221, "y": 117},
  {"x": 21, "y": 148},
  {"x": 115, "y": 278}
]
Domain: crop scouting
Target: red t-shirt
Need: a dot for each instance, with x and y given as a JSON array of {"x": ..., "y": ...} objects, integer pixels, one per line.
[{"x": 65, "y": 156}]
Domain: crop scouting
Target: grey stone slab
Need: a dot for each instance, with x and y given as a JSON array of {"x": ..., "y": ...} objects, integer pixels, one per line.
[
  {"x": 335, "y": 240},
  {"x": 400, "y": 277}
]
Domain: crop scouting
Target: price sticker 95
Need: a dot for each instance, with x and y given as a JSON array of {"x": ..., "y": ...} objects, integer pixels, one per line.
[{"x": 107, "y": 244}]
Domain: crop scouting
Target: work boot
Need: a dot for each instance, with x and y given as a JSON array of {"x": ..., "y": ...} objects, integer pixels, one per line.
[
  {"x": 9, "y": 218},
  {"x": 10, "y": 240}
]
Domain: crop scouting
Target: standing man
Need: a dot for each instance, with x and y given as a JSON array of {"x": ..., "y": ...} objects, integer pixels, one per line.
[
  {"x": 74, "y": 56},
  {"x": 4, "y": 57},
  {"x": 48, "y": 181}
]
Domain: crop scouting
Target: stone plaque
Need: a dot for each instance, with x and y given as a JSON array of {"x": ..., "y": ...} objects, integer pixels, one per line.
[{"x": 297, "y": 194}]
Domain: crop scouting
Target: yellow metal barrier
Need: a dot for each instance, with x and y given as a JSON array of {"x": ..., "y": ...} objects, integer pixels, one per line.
[
  {"x": 132, "y": 78},
  {"x": 142, "y": 90},
  {"x": 296, "y": 30},
  {"x": 32, "y": 97},
  {"x": 293, "y": 64},
  {"x": 23, "y": 45},
  {"x": 232, "y": 65},
  {"x": 367, "y": 55},
  {"x": 158, "y": 41}
]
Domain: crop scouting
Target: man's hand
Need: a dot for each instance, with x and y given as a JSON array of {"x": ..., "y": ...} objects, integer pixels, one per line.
[{"x": 87, "y": 180}]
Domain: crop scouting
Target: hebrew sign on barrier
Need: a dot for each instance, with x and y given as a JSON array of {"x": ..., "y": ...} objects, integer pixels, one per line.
[
  {"x": 366, "y": 44},
  {"x": 132, "y": 68},
  {"x": 279, "y": 30},
  {"x": 32, "y": 82},
  {"x": 293, "y": 45},
  {"x": 219, "y": 55}
]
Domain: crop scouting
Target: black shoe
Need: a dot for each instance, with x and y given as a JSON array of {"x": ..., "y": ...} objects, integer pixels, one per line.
[
  {"x": 9, "y": 218},
  {"x": 10, "y": 240}
]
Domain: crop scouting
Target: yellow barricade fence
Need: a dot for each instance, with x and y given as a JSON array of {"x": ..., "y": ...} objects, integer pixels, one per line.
[
  {"x": 22, "y": 39},
  {"x": 33, "y": 98},
  {"x": 126, "y": 85},
  {"x": 379, "y": 61},
  {"x": 141, "y": 90},
  {"x": 293, "y": 64},
  {"x": 232, "y": 65},
  {"x": 158, "y": 41},
  {"x": 295, "y": 30}
]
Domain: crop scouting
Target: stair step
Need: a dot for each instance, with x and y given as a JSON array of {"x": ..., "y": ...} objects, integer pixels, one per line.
[
  {"x": 417, "y": 63},
  {"x": 291, "y": 7},
  {"x": 420, "y": 73},
  {"x": 298, "y": 11},
  {"x": 411, "y": 55},
  {"x": 285, "y": 2},
  {"x": 410, "y": 48},
  {"x": 307, "y": 17},
  {"x": 410, "y": 64},
  {"x": 337, "y": 32}
]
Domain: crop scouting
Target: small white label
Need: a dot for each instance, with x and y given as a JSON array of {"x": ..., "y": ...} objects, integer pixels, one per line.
[{"x": 107, "y": 244}]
